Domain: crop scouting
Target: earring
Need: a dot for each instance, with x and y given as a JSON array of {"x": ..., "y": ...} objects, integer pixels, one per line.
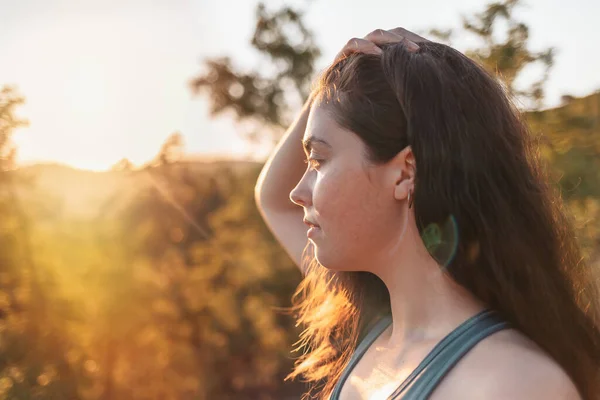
[{"x": 410, "y": 198}]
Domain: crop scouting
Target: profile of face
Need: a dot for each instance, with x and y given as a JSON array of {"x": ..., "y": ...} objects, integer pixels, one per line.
[{"x": 360, "y": 207}]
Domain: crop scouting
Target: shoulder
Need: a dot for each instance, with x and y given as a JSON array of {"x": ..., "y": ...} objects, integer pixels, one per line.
[
  {"x": 520, "y": 373},
  {"x": 507, "y": 365}
]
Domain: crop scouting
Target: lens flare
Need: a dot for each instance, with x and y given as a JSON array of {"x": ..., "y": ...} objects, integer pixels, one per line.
[{"x": 442, "y": 240}]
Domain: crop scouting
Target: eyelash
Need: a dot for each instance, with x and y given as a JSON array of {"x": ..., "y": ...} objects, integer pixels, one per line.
[{"x": 314, "y": 164}]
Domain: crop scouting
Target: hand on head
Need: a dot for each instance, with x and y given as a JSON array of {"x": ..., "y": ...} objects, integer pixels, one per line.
[{"x": 371, "y": 43}]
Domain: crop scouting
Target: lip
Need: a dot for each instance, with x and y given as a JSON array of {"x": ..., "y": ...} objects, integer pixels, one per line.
[
  {"x": 313, "y": 231},
  {"x": 310, "y": 223}
]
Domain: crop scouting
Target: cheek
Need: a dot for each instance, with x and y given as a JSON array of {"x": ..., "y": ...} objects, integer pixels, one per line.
[
  {"x": 335, "y": 200},
  {"x": 347, "y": 211},
  {"x": 347, "y": 199}
]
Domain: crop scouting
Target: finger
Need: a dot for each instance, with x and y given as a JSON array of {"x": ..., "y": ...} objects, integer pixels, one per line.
[
  {"x": 357, "y": 45},
  {"x": 381, "y": 36},
  {"x": 409, "y": 35}
]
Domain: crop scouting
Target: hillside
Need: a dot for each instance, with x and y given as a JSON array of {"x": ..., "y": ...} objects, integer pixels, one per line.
[{"x": 82, "y": 193}]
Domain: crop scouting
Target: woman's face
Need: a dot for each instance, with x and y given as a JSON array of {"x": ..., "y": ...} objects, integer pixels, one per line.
[{"x": 359, "y": 218}]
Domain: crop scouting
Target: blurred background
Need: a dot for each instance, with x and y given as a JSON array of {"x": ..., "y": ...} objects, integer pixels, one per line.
[{"x": 133, "y": 261}]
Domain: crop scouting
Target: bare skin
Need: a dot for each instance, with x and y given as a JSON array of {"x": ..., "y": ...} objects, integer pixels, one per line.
[
  {"x": 426, "y": 304},
  {"x": 365, "y": 224},
  {"x": 503, "y": 366}
]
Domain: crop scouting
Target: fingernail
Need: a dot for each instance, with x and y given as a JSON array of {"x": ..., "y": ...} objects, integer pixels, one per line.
[{"x": 412, "y": 46}]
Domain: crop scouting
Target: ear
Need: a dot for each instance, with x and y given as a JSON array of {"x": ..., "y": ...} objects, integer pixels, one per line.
[{"x": 404, "y": 170}]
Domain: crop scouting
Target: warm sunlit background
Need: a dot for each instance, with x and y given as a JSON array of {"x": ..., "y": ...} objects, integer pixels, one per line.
[
  {"x": 106, "y": 80},
  {"x": 133, "y": 261}
]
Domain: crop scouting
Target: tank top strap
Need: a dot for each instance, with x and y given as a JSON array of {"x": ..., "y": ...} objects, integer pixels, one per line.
[
  {"x": 451, "y": 349},
  {"x": 447, "y": 361},
  {"x": 360, "y": 350},
  {"x": 464, "y": 327},
  {"x": 438, "y": 362}
]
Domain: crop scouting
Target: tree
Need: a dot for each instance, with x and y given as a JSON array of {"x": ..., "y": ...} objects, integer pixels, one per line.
[
  {"x": 33, "y": 331},
  {"x": 258, "y": 97},
  {"x": 264, "y": 98},
  {"x": 123, "y": 165},
  {"x": 509, "y": 57},
  {"x": 9, "y": 123},
  {"x": 569, "y": 136},
  {"x": 171, "y": 150},
  {"x": 205, "y": 260}
]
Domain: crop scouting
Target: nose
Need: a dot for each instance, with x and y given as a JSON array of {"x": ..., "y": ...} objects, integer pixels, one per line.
[{"x": 301, "y": 195}]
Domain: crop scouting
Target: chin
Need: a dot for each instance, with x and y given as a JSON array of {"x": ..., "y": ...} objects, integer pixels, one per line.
[{"x": 333, "y": 263}]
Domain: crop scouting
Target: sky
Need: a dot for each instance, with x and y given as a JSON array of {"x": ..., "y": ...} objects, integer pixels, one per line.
[{"x": 108, "y": 79}]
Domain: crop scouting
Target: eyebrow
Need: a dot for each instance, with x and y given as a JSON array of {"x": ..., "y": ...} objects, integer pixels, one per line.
[{"x": 308, "y": 142}]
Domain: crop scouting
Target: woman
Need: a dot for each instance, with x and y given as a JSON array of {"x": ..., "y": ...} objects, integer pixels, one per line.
[{"x": 439, "y": 264}]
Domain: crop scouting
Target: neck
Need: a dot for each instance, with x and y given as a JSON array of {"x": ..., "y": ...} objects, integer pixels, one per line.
[{"x": 425, "y": 302}]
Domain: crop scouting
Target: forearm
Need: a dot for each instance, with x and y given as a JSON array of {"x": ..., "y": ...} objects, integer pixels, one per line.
[{"x": 284, "y": 167}]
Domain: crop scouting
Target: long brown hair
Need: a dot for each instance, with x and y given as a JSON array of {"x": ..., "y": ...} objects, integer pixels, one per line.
[{"x": 477, "y": 165}]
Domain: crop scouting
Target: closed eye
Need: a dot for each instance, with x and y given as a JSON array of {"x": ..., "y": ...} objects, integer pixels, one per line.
[{"x": 314, "y": 163}]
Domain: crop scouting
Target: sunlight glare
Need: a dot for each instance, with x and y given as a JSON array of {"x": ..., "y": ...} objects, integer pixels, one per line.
[{"x": 85, "y": 91}]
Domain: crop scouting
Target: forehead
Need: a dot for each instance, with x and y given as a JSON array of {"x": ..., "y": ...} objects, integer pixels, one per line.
[{"x": 322, "y": 129}]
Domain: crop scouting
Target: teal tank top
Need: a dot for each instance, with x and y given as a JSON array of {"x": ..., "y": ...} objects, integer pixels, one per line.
[{"x": 440, "y": 360}]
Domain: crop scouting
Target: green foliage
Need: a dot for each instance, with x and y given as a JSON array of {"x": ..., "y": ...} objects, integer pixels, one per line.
[
  {"x": 164, "y": 282},
  {"x": 34, "y": 319},
  {"x": 9, "y": 122},
  {"x": 569, "y": 139},
  {"x": 509, "y": 57},
  {"x": 283, "y": 40},
  {"x": 173, "y": 291}
]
